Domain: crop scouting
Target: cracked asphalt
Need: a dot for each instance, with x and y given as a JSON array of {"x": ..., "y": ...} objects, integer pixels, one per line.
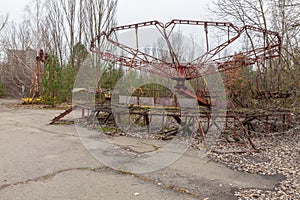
[{"x": 41, "y": 161}]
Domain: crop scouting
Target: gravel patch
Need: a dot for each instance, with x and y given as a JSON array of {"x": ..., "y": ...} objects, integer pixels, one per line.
[{"x": 279, "y": 154}]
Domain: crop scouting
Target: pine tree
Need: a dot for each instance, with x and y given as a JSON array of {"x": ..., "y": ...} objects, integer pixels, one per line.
[{"x": 52, "y": 79}]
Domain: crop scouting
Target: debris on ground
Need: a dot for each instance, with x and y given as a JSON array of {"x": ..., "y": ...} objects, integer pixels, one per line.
[{"x": 279, "y": 154}]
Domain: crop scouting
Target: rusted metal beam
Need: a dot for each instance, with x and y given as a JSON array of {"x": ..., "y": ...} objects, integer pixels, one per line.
[{"x": 140, "y": 60}]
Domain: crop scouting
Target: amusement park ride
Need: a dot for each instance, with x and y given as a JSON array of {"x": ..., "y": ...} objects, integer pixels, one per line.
[
  {"x": 36, "y": 79},
  {"x": 265, "y": 46},
  {"x": 269, "y": 47}
]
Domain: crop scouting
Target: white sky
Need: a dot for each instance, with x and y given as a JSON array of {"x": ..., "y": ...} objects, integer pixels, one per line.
[
  {"x": 132, "y": 11},
  {"x": 15, "y": 8}
]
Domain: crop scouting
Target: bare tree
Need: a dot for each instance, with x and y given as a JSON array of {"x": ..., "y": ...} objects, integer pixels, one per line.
[
  {"x": 69, "y": 11},
  {"x": 279, "y": 15},
  {"x": 77, "y": 22},
  {"x": 18, "y": 69},
  {"x": 3, "y": 21},
  {"x": 64, "y": 27},
  {"x": 99, "y": 16},
  {"x": 285, "y": 19},
  {"x": 55, "y": 25}
]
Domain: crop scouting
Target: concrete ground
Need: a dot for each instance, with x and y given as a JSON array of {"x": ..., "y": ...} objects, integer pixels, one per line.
[{"x": 41, "y": 161}]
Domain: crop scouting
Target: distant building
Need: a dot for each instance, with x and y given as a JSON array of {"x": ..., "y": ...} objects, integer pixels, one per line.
[{"x": 17, "y": 72}]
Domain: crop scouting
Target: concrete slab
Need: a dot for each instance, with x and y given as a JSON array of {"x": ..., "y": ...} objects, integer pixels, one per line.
[{"x": 39, "y": 161}]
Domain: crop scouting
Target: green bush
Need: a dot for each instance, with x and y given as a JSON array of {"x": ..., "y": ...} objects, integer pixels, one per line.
[
  {"x": 2, "y": 90},
  {"x": 52, "y": 80},
  {"x": 68, "y": 78},
  {"x": 57, "y": 82},
  {"x": 110, "y": 77}
]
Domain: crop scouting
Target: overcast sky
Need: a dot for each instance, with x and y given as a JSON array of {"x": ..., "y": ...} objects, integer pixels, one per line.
[
  {"x": 131, "y": 11},
  {"x": 15, "y": 8}
]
